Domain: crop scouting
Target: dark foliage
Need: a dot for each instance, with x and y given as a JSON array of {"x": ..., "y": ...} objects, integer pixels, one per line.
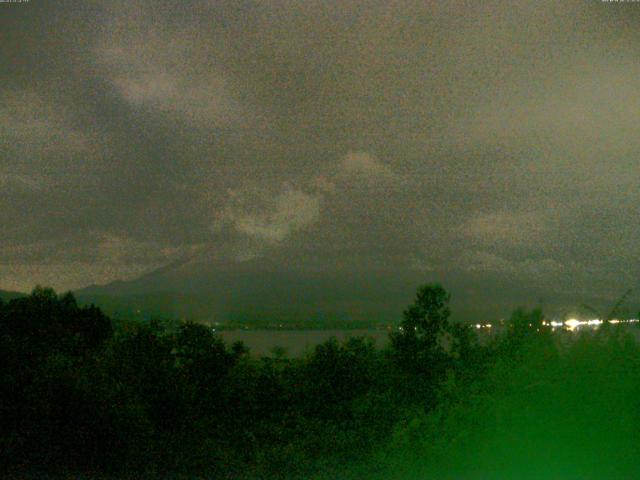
[{"x": 82, "y": 394}]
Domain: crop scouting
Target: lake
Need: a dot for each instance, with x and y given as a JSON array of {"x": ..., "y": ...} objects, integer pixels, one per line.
[{"x": 296, "y": 342}]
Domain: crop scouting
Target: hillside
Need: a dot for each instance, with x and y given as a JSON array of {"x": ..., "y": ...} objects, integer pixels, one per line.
[
  {"x": 261, "y": 293},
  {"x": 6, "y": 295}
]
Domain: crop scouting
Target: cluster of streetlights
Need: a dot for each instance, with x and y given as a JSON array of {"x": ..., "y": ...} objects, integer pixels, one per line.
[{"x": 572, "y": 324}]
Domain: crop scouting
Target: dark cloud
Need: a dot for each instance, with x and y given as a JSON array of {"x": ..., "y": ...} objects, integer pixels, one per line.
[{"x": 445, "y": 139}]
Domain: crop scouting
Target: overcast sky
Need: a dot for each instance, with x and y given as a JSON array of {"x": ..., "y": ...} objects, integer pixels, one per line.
[{"x": 481, "y": 139}]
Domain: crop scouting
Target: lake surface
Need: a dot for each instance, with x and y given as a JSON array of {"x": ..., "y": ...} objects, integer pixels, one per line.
[{"x": 296, "y": 342}]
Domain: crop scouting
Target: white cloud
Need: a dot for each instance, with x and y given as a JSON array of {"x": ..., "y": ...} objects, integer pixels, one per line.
[
  {"x": 122, "y": 250},
  {"x": 270, "y": 217},
  {"x": 483, "y": 261},
  {"x": 203, "y": 98},
  {"x": 154, "y": 71},
  {"x": 147, "y": 87},
  {"x": 291, "y": 210},
  {"x": 65, "y": 275},
  {"x": 323, "y": 184},
  {"x": 510, "y": 228},
  {"x": 361, "y": 164},
  {"x": 119, "y": 249}
]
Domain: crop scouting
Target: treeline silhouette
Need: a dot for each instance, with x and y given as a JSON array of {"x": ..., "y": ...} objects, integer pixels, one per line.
[{"x": 83, "y": 394}]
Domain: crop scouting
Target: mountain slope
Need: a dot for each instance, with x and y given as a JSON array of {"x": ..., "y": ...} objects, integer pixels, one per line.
[
  {"x": 6, "y": 295},
  {"x": 269, "y": 292}
]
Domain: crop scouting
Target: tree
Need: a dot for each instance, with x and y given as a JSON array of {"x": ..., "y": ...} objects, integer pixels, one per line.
[
  {"x": 418, "y": 345},
  {"x": 523, "y": 323},
  {"x": 527, "y": 334},
  {"x": 335, "y": 374},
  {"x": 203, "y": 358},
  {"x": 465, "y": 350},
  {"x": 44, "y": 323}
]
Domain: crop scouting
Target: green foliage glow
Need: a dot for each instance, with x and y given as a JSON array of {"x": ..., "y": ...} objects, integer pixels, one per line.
[{"x": 81, "y": 394}]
